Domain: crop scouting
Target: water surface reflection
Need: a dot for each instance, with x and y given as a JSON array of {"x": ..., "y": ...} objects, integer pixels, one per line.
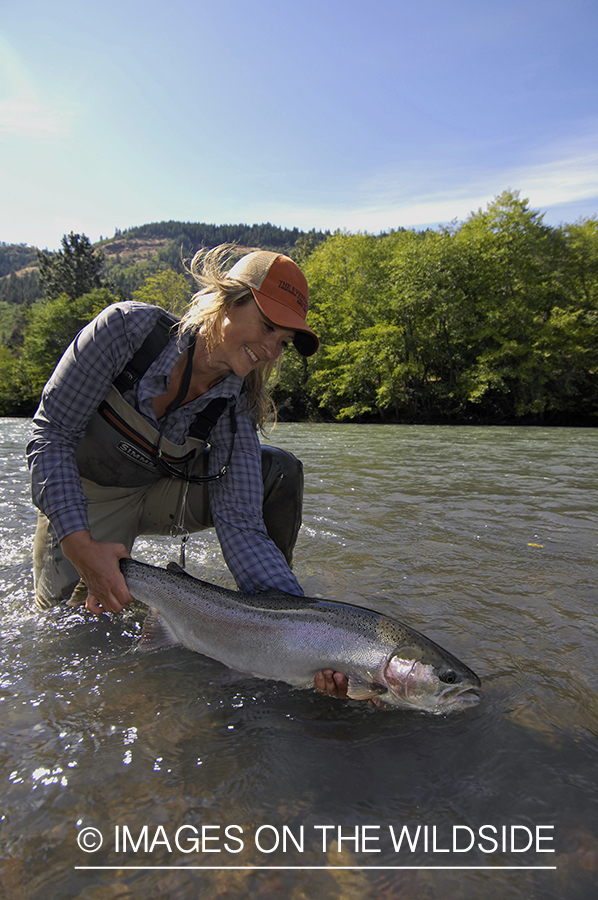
[{"x": 484, "y": 539}]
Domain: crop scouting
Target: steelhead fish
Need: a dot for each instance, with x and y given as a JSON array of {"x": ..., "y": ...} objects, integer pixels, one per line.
[{"x": 279, "y": 636}]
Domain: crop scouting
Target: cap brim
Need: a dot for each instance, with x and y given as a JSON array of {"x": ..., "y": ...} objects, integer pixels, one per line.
[{"x": 305, "y": 340}]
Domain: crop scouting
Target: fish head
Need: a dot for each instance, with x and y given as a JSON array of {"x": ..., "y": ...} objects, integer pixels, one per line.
[{"x": 421, "y": 675}]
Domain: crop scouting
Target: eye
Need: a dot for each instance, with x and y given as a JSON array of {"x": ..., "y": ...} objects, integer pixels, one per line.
[{"x": 449, "y": 677}]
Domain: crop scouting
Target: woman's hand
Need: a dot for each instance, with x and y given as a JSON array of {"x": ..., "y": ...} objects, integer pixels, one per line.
[
  {"x": 97, "y": 564},
  {"x": 334, "y": 684}
]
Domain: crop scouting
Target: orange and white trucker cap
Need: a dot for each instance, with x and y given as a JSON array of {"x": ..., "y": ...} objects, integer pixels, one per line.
[{"x": 280, "y": 290}]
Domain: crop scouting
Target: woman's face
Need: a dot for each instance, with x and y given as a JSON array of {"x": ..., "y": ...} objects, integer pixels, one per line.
[{"x": 249, "y": 339}]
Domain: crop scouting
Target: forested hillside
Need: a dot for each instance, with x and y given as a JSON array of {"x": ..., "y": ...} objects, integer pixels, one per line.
[
  {"x": 129, "y": 259},
  {"x": 14, "y": 257},
  {"x": 199, "y": 234},
  {"x": 135, "y": 253},
  {"x": 491, "y": 320}
]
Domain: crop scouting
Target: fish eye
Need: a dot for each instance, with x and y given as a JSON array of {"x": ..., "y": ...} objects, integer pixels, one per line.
[{"x": 449, "y": 677}]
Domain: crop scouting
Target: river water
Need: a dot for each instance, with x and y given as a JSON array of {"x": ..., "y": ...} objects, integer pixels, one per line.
[{"x": 203, "y": 783}]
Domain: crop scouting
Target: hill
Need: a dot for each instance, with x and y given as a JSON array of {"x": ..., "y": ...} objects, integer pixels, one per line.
[
  {"x": 133, "y": 255},
  {"x": 15, "y": 257},
  {"x": 200, "y": 234}
]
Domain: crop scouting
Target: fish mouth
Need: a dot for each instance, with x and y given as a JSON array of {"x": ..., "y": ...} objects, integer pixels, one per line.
[{"x": 462, "y": 696}]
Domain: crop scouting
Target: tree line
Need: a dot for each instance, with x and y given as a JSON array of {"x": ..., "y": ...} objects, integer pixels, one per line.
[
  {"x": 184, "y": 238},
  {"x": 180, "y": 239},
  {"x": 15, "y": 256},
  {"x": 491, "y": 320},
  {"x": 200, "y": 234}
]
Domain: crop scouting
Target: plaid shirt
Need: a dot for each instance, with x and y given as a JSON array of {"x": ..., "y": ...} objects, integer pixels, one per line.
[{"x": 82, "y": 380}]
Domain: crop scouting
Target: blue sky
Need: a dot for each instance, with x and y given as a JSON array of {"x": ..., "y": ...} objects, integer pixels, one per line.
[{"x": 318, "y": 114}]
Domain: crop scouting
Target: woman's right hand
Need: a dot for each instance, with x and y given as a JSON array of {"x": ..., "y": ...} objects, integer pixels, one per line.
[{"x": 97, "y": 564}]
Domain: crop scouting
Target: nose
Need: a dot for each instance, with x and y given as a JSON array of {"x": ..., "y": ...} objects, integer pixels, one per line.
[{"x": 273, "y": 346}]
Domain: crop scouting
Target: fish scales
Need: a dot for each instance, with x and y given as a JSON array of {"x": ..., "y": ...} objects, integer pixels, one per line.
[
  {"x": 288, "y": 638},
  {"x": 263, "y": 634}
]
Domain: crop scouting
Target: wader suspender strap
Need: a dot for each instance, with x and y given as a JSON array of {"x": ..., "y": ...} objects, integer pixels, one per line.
[
  {"x": 201, "y": 426},
  {"x": 147, "y": 353},
  {"x": 207, "y": 420},
  {"x": 142, "y": 360}
]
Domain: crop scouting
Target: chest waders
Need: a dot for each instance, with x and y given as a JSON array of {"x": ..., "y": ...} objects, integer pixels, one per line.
[
  {"x": 122, "y": 449},
  {"x": 139, "y": 483}
]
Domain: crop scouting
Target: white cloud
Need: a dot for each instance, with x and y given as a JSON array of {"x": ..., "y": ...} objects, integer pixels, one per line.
[
  {"x": 572, "y": 174},
  {"x": 427, "y": 194},
  {"x": 30, "y": 118}
]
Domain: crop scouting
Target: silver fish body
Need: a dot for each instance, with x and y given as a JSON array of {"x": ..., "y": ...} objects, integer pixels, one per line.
[{"x": 279, "y": 636}]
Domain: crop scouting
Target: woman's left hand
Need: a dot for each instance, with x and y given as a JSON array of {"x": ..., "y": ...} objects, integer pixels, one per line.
[{"x": 334, "y": 684}]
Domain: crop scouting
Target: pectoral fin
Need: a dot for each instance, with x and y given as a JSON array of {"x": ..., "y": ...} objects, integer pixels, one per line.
[
  {"x": 156, "y": 634},
  {"x": 361, "y": 689}
]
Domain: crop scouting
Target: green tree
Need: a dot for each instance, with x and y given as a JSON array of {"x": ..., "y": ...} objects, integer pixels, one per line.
[
  {"x": 492, "y": 319},
  {"x": 75, "y": 270},
  {"x": 52, "y": 326},
  {"x": 348, "y": 279},
  {"x": 520, "y": 289},
  {"x": 165, "y": 289},
  {"x": 12, "y": 401},
  {"x": 580, "y": 262}
]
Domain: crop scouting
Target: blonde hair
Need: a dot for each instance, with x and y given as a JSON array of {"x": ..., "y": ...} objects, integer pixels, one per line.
[{"x": 206, "y": 313}]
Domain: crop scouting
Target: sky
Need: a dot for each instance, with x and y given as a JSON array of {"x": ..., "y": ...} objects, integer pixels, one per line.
[{"x": 325, "y": 114}]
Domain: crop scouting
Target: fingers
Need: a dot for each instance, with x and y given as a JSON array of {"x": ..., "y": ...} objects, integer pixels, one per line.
[
  {"x": 333, "y": 684},
  {"x": 105, "y": 605},
  {"x": 107, "y": 592},
  {"x": 94, "y": 605},
  {"x": 98, "y": 564}
]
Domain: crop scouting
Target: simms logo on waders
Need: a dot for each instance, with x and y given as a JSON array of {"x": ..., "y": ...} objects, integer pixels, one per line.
[{"x": 136, "y": 455}]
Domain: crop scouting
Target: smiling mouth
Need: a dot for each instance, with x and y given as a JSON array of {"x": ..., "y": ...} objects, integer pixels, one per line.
[{"x": 254, "y": 359}]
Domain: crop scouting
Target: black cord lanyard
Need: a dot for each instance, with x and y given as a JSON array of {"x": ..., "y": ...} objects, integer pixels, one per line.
[
  {"x": 183, "y": 390},
  {"x": 201, "y": 479},
  {"x": 185, "y": 380}
]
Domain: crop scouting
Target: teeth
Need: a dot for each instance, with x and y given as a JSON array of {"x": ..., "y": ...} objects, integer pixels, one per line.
[{"x": 251, "y": 354}]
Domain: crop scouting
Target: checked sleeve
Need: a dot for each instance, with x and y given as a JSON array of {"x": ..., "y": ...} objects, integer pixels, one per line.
[{"x": 236, "y": 504}]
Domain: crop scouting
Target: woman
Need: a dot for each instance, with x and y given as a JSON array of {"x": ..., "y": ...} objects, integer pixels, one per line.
[{"x": 119, "y": 443}]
